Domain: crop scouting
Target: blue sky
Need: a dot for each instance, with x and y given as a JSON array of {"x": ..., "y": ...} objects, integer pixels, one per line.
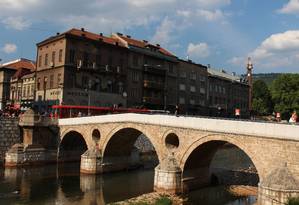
[{"x": 222, "y": 33}]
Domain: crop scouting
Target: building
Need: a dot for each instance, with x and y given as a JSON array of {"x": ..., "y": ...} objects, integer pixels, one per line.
[
  {"x": 80, "y": 68},
  {"x": 192, "y": 88},
  {"x": 226, "y": 93},
  {"x": 8, "y": 70},
  {"x": 151, "y": 74},
  {"x": 22, "y": 89},
  {"x": 83, "y": 68}
]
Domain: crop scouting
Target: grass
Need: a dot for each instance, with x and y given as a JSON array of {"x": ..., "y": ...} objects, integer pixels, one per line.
[
  {"x": 293, "y": 201},
  {"x": 163, "y": 201}
]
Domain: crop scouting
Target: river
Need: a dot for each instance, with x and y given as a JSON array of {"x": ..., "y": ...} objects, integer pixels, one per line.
[{"x": 63, "y": 185}]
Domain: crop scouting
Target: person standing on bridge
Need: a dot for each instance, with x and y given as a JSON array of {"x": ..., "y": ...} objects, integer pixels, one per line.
[
  {"x": 177, "y": 109},
  {"x": 293, "y": 118}
]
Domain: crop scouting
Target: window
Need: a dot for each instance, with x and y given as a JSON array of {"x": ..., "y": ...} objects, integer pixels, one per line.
[
  {"x": 193, "y": 76},
  {"x": 51, "y": 81},
  {"x": 32, "y": 90},
  {"x": 72, "y": 56},
  {"x": 59, "y": 78},
  {"x": 171, "y": 70},
  {"x": 182, "y": 100},
  {"x": 38, "y": 84},
  {"x": 135, "y": 60},
  {"x": 182, "y": 87},
  {"x": 28, "y": 91},
  {"x": 60, "y": 55},
  {"x": 98, "y": 60},
  {"x": 85, "y": 59},
  {"x": 192, "y": 88},
  {"x": 135, "y": 76},
  {"x": 183, "y": 74},
  {"x": 202, "y": 90},
  {"x": 24, "y": 91},
  {"x": 46, "y": 59},
  {"x": 40, "y": 61},
  {"x": 53, "y": 57},
  {"x": 45, "y": 82},
  {"x": 192, "y": 101}
]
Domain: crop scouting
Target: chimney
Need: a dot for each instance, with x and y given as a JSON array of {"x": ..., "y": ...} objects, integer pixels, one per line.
[
  {"x": 82, "y": 29},
  {"x": 120, "y": 34},
  {"x": 57, "y": 33},
  {"x": 101, "y": 34},
  {"x": 158, "y": 45},
  {"x": 145, "y": 41},
  {"x": 128, "y": 36}
]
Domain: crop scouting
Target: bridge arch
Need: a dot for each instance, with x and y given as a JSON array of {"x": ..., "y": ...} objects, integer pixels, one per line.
[
  {"x": 197, "y": 158},
  {"x": 124, "y": 137},
  {"x": 71, "y": 146}
]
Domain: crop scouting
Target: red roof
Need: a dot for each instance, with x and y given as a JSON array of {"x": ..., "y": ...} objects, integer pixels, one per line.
[
  {"x": 93, "y": 36},
  {"x": 144, "y": 44},
  {"x": 20, "y": 63},
  {"x": 21, "y": 72}
]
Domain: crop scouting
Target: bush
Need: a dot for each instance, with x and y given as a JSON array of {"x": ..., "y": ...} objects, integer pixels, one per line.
[
  {"x": 163, "y": 201},
  {"x": 293, "y": 201}
]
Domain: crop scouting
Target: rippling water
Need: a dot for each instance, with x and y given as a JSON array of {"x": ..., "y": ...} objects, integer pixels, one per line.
[{"x": 64, "y": 185}]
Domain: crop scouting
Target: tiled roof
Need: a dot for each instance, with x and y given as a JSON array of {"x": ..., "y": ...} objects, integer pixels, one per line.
[
  {"x": 92, "y": 36},
  {"x": 223, "y": 74},
  {"x": 20, "y": 73},
  {"x": 20, "y": 63},
  {"x": 143, "y": 44}
]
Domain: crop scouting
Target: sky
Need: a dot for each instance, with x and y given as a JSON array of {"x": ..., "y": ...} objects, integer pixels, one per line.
[{"x": 222, "y": 33}]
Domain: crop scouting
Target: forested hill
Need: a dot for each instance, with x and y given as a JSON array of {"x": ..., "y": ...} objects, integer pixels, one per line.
[{"x": 268, "y": 78}]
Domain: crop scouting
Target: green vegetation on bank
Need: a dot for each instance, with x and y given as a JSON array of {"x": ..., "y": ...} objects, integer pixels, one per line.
[
  {"x": 282, "y": 96},
  {"x": 293, "y": 201}
]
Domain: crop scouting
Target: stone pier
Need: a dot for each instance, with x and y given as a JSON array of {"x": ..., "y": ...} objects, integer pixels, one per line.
[
  {"x": 30, "y": 151},
  {"x": 91, "y": 162},
  {"x": 278, "y": 187},
  {"x": 168, "y": 176}
]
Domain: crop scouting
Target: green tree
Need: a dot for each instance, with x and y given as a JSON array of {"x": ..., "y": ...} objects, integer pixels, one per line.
[
  {"x": 285, "y": 94},
  {"x": 261, "y": 102}
]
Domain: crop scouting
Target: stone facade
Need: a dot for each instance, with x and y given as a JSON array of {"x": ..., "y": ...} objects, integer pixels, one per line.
[{"x": 9, "y": 135}]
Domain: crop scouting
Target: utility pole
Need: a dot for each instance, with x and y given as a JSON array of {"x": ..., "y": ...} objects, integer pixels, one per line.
[{"x": 250, "y": 82}]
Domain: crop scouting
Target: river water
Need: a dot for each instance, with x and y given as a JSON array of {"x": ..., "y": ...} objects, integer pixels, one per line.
[{"x": 63, "y": 185}]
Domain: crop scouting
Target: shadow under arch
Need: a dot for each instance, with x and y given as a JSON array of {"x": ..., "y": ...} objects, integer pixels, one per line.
[
  {"x": 120, "y": 151},
  {"x": 197, "y": 172},
  {"x": 71, "y": 147}
]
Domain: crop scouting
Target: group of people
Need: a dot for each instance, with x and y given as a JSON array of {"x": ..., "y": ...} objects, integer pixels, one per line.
[{"x": 9, "y": 113}]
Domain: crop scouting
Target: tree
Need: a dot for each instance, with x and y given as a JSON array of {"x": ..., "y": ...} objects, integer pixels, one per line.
[
  {"x": 285, "y": 94},
  {"x": 261, "y": 102}
]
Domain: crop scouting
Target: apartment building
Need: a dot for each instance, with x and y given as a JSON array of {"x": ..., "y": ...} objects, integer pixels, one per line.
[{"x": 7, "y": 71}]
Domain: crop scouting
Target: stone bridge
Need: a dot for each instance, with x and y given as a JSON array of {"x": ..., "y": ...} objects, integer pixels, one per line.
[{"x": 185, "y": 147}]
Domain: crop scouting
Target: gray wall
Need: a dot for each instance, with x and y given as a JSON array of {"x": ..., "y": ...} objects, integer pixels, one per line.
[{"x": 9, "y": 135}]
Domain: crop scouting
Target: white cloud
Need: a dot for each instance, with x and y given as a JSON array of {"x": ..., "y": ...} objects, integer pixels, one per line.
[
  {"x": 277, "y": 51},
  {"x": 200, "y": 50},
  {"x": 18, "y": 23},
  {"x": 163, "y": 34},
  {"x": 211, "y": 15},
  {"x": 212, "y": 3},
  {"x": 9, "y": 48},
  {"x": 292, "y": 7}
]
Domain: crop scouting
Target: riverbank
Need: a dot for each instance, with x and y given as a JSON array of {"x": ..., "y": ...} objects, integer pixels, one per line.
[{"x": 151, "y": 198}]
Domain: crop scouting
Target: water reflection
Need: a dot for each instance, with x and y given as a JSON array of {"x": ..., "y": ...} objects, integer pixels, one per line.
[{"x": 64, "y": 185}]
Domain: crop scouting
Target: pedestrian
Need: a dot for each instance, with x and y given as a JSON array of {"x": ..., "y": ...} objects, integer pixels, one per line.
[
  {"x": 176, "y": 110},
  {"x": 293, "y": 118}
]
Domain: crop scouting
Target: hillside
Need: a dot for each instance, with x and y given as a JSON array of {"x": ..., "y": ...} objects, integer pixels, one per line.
[{"x": 268, "y": 78}]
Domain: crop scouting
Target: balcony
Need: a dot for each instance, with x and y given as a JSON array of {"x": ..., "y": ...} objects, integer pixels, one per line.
[
  {"x": 153, "y": 85},
  {"x": 152, "y": 100},
  {"x": 156, "y": 70}
]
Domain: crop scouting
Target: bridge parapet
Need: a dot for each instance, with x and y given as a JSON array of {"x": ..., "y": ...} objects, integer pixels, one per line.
[{"x": 261, "y": 129}]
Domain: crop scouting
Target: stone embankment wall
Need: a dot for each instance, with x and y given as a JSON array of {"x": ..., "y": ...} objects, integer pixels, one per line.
[{"x": 9, "y": 135}]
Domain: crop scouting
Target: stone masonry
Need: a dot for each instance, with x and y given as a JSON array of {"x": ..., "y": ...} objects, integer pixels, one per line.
[
  {"x": 268, "y": 145},
  {"x": 9, "y": 135}
]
